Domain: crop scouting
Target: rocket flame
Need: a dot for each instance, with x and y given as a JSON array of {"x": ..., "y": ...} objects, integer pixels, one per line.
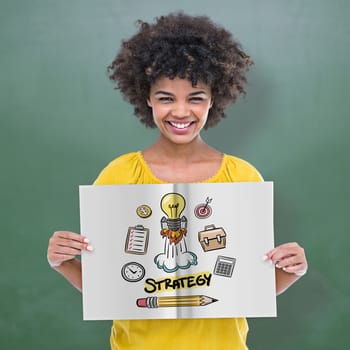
[{"x": 174, "y": 236}]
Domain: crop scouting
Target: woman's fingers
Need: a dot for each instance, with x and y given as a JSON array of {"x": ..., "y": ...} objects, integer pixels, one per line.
[
  {"x": 61, "y": 242},
  {"x": 290, "y": 257},
  {"x": 298, "y": 269},
  {"x": 72, "y": 236},
  {"x": 64, "y": 246},
  {"x": 282, "y": 251}
]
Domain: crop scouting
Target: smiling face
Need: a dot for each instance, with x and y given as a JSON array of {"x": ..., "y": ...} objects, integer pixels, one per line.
[{"x": 180, "y": 110}]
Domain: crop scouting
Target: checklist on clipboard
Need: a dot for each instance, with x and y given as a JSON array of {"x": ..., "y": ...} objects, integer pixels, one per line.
[{"x": 137, "y": 240}]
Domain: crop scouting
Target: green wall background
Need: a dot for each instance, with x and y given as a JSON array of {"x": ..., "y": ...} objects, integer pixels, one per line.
[{"x": 61, "y": 122}]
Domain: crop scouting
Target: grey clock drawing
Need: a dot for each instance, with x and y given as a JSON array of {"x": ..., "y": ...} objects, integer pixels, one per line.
[{"x": 133, "y": 272}]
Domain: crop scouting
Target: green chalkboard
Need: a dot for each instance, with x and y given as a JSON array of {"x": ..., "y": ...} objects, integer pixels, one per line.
[{"x": 61, "y": 122}]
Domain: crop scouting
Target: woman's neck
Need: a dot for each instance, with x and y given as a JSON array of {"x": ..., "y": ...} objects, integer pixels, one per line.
[
  {"x": 176, "y": 163},
  {"x": 166, "y": 151}
]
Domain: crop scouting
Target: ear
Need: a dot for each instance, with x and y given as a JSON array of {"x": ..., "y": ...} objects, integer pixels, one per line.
[
  {"x": 149, "y": 103},
  {"x": 211, "y": 103}
]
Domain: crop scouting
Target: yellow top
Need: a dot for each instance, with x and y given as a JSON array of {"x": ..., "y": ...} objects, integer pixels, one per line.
[{"x": 176, "y": 334}]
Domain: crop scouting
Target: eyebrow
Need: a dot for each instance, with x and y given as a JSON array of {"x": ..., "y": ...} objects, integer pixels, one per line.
[{"x": 161, "y": 92}]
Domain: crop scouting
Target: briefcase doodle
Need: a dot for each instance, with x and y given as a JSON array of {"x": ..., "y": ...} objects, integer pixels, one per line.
[{"x": 212, "y": 238}]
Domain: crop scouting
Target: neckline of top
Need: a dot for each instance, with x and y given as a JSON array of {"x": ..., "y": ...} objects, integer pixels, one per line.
[{"x": 210, "y": 179}]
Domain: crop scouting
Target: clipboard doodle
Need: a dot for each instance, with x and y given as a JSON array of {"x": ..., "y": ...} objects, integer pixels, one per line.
[{"x": 137, "y": 240}]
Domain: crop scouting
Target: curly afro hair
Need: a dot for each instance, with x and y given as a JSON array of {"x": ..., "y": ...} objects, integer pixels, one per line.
[{"x": 188, "y": 47}]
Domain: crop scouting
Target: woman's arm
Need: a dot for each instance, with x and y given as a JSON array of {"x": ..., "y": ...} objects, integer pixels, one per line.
[
  {"x": 290, "y": 262},
  {"x": 63, "y": 248}
]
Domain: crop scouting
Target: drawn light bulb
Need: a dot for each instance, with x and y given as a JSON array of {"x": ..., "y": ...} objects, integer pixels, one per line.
[
  {"x": 174, "y": 230},
  {"x": 173, "y": 204}
]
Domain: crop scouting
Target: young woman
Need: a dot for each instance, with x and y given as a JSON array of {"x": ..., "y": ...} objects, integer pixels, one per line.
[{"x": 180, "y": 73}]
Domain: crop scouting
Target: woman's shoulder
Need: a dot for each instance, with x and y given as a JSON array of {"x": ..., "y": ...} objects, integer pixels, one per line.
[
  {"x": 236, "y": 169},
  {"x": 124, "y": 159},
  {"x": 124, "y": 169}
]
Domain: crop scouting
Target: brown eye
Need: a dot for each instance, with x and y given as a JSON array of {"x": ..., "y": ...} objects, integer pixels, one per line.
[
  {"x": 196, "y": 99},
  {"x": 165, "y": 99}
]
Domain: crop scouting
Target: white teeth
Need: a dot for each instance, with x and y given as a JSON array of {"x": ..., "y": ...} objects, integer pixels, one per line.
[{"x": 180, "y": 126}]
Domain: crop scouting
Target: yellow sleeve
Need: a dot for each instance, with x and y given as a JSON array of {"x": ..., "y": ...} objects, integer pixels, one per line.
[
  {"x": 122, "y": 170},
  {"x": 239, "y": 170}
]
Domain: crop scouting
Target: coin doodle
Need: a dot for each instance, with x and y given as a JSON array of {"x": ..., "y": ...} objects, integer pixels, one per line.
[{"x": 144, "y": 211}]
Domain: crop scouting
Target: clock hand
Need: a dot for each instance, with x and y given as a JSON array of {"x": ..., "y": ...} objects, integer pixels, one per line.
[{"x": 132, "y": 271}]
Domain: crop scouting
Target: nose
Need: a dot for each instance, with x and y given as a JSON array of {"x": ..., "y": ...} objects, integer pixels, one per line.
[{"x": 180, "y": 110}]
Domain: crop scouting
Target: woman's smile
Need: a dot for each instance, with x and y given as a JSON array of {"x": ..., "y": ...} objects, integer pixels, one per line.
[{"x": 178, "y": 125}]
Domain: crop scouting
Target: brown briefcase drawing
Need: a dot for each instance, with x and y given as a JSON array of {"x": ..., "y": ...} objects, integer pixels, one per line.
[{"x": 212, "y": 238}]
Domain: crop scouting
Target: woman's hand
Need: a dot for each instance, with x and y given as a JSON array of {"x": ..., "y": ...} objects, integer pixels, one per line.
[
  {"x": 289, "y": 257},
  {"x": 290, "y": 262},
  {"x": 65, "y": 246}
]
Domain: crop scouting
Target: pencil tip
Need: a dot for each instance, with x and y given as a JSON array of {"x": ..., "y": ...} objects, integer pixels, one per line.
[{"x": 214, "y": 300}]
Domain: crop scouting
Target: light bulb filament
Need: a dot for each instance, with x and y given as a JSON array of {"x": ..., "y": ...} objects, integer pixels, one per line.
[{"x": 173, "y": 210}]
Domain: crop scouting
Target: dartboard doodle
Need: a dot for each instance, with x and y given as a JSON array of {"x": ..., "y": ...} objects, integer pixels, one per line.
[{"x": 203, "y": 210}]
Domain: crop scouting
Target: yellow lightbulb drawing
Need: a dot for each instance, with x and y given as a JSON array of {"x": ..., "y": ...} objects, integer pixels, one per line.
[
  {"x": 173, "y": 205},
  {"x": 175, "y": 256}
]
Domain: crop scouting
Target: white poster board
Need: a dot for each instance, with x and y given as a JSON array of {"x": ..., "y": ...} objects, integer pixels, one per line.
[{"x": 178, "y": 251}]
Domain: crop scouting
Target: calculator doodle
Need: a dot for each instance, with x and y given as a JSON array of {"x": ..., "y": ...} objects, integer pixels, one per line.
[{"x": 224, "y": 266}]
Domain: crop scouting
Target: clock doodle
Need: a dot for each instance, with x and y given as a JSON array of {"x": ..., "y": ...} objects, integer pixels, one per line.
[{"x": 133, "y": 272}]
